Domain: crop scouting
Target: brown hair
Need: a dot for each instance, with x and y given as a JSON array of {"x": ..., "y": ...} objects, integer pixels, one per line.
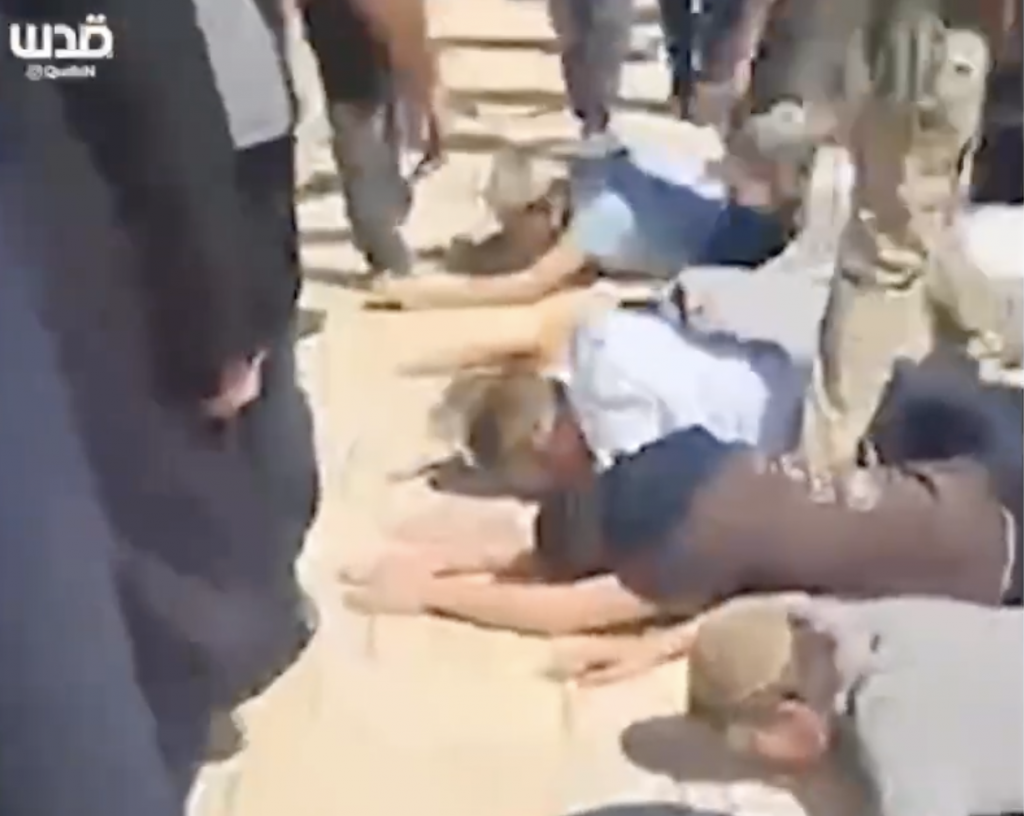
[
  {"x": 494, "y": 417},
  {"x": 809, "y": 676}
]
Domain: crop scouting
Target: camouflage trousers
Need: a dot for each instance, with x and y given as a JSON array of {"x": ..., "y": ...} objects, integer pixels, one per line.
[{"x": 903, "y": 283}]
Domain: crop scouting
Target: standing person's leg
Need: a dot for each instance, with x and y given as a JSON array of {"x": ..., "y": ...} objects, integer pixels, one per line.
[
  {"x": 593, "y": 38},
  {"x": 377, "y": 197},
  {"x": 903, "y": 281},
  {"x": 678, "y": 23},
  {"x": 78, "y": 735},
  {"x": 718, "y": 23},
  {"x": 607, "y": 47}
]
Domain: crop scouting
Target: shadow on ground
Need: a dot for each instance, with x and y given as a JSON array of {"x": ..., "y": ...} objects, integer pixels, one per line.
[{"x": 689, "y": 752}]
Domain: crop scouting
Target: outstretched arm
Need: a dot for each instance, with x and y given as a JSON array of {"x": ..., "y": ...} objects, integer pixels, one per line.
[
  {"x": 537, "y": 334},
  {"x": 590, "y": 605},
  {"x": 555, "y": 271}
]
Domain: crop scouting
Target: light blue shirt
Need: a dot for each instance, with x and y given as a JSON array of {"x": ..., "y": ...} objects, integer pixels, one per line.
[
  {"x": 644, "y": 210},
  {"x": 635, "y": 377}
]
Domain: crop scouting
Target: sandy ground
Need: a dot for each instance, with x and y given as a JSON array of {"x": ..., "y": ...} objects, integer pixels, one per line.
[{"x": 422, "y": 715}]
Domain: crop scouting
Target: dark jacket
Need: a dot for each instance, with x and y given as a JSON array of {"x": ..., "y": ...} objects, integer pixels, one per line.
[
  {"x": 689, "y": 519},
  {"x": 154, "y": 125},
  {"x": 177, "y": 490}
]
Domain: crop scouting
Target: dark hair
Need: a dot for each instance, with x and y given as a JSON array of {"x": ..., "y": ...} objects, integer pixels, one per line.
[{"x": 494, "y": 415}]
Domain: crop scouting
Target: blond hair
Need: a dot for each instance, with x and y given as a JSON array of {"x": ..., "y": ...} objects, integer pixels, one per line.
[{"x": 495, "y": 418}]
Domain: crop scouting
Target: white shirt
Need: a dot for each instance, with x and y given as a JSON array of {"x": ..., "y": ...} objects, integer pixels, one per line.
[
  {"x": 635, "y": 377},
  {"x": 247, "y": 69}
]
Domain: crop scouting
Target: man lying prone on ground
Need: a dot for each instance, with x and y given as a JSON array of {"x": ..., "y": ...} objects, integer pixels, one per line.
[
  {"x": 623, "y": 213},
  {"x": 689, "y": 521},
  {"x": 908, "y": 680}
]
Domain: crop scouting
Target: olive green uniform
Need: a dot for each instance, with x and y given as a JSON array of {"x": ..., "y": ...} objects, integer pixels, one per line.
[{"x": 902, "y": 282}]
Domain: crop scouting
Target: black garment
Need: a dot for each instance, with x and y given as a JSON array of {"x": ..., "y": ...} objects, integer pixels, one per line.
[
  {"x": 353, "y": 63},
  {"x": 265, "y": 175},
  {"x": 78, "y": 736},
  {"x": 932, "y": 528},
  {"x": 178, "y": 490},
  {"x": 998, "y": 169},
  {"x": 276, "y": 431},
  {"x": 155, "y": 127}
]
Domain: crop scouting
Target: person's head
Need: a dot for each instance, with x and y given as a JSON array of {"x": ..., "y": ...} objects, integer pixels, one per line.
[
  {"x": 769, "y": 158},
  {"x": 516, "y": 424},
  {"x": 529, "y": 199},
  {"x": 767, "y": 681}
]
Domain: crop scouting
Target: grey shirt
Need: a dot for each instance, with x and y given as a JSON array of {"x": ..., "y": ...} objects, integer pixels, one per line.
[
  {"x": 934, "y": 693},
  {"x": 248, "y": 70}
]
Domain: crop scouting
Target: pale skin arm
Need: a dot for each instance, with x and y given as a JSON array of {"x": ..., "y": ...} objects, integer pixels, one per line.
[
  {"x": 585, "y": 606},
  {"x": 538, "y": 334},
  {"x": 610, "y": 658},
  {"x": 555, "y": 271}
]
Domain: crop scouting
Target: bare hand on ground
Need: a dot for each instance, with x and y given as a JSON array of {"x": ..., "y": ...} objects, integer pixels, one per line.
[{"x": 595, "y": 661}]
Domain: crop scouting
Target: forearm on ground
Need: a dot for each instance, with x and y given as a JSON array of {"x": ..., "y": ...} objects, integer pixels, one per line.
[
  {"x": 557, "y": 270},
  {"x": 586, "y": 606}
]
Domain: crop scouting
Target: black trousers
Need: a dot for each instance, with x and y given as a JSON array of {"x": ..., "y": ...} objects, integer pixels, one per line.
[
  {"x": 277, "y": 430},
  {"x": 77, "y": 732}
]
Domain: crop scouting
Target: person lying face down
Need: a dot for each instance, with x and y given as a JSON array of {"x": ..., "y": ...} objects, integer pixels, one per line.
[
  {"x": 909, "y": 680},
  {"x": 627, "y": 378},
  {"x": 689, "y": 521},
  {"x": 623, "y": 212}
]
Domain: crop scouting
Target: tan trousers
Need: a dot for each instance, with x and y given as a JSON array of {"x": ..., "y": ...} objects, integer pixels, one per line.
[{"x": 902, "y": 282}]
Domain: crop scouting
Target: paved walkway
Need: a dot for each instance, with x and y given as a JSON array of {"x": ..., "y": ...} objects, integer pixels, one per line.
[{"x": 425, "y": 716}]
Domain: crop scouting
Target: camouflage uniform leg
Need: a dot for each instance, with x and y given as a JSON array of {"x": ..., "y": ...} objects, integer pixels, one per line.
[
  {"x": 965, "y": 301},
  {"x": 902, "y": 278},
  {"x": 865, "y": 329}
]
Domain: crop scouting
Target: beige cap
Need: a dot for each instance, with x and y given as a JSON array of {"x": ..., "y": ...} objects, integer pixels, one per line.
[
  {"x": 515, "y": 180},
  {"x": 741, "y": 649}
]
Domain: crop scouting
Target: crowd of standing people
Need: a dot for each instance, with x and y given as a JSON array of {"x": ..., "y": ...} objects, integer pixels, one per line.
[{"x": 166, "y": 472}]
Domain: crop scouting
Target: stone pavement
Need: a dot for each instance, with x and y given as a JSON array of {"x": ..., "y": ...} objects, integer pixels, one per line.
[{"x": 428, "y": 716}]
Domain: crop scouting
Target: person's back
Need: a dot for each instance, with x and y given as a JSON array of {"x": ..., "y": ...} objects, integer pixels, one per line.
[
  {"x": 644, "y": 210},
  {"x": 634, "y": 377},
  {"x": 937, "y": 709},
  {"x": 925, "y": 691},
  {"x": 692, "y": 517}
]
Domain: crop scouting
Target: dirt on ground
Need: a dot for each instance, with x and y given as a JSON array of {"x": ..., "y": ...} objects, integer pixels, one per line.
[{"x": 384, "y": 716}]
